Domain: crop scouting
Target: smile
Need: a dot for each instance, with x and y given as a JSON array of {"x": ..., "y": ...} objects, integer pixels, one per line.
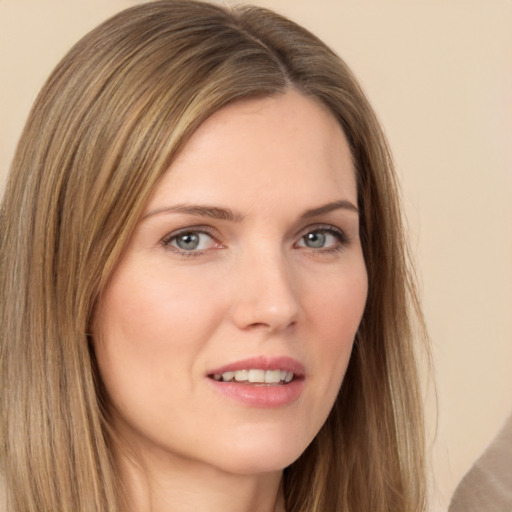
[
  {"x": 263, "y": 382},
  {"x": 255, "y": 376}
]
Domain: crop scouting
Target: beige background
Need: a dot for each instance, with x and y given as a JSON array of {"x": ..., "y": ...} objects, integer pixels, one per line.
[{"x": 439, "y": 74}]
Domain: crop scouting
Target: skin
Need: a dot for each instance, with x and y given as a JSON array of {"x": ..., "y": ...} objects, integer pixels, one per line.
[{"x": 255, "y": 285}]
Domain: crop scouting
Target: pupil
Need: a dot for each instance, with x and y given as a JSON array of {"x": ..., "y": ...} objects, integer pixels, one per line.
[
  {"x": 315, "y": 240},
  {"x": 188, "y": 241}
]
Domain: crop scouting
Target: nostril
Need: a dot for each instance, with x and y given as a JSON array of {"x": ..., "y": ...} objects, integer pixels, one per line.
[{"x": 270, "y": 326}]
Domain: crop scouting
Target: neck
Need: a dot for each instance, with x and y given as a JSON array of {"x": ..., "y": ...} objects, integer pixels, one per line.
[{"x": 189, "y": 486}]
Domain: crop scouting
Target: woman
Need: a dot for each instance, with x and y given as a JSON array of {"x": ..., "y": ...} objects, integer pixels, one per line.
[{"x": 206, "y": 300}]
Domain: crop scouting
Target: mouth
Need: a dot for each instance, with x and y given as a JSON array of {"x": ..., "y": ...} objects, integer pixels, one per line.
[
  {"x": 255, "y": 376},
  {"x": 260, "y": 371},
  {"x": 261, "y": 381}
]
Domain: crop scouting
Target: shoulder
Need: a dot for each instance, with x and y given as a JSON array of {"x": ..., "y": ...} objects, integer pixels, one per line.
[{"x": 488, "y": 484}]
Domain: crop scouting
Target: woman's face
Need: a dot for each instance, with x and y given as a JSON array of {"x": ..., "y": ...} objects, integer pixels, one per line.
[{"x": 224, "y": 334}]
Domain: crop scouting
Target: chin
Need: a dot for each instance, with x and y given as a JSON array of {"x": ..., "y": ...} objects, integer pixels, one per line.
[
  {"x": 258, "y": 465},
  {"x": 262, "y": 453}
]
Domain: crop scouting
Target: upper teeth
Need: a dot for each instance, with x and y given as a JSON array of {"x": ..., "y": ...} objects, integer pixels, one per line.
[{"x": 257, "y": 376}]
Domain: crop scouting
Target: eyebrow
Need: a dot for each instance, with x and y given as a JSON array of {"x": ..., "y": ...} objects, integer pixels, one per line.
[
  {"x": 198, "y": 210},
  {"x": 218, "y": 213},
  {"x": 329, "y": 207}
]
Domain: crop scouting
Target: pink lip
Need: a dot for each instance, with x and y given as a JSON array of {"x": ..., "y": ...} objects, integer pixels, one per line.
[{"x": 261, "y": 395}]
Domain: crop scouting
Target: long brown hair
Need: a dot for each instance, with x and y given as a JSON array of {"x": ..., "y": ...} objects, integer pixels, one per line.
[{"x": 104, "y": 129}]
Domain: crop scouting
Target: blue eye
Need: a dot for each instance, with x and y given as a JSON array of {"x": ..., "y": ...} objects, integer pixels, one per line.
[
  {"x": 190, "y": 241},
  {"x": 324, "y": 238},
  {"x": 315, "y": 240}
]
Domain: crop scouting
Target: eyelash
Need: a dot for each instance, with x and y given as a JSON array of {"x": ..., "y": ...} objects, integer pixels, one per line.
[{"x": 341, "y": 237}]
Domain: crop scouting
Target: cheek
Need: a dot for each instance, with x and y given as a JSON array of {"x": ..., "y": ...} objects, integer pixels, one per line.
[
  {"x": 336, "y": 304},
  {"x": 133, "y": 330},
  {"x": 151, "y": 326},
  {"x": 142, "y": 322},
  {"x": 336, "y": 314},
  {"x": 151, "y": 309}
]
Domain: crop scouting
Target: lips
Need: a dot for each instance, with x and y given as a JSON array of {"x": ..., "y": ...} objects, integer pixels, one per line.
[{"x": 260, "y": 381}]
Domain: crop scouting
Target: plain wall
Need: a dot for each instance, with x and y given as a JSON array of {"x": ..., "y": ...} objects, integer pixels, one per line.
[{"x": 439, "y": 74}]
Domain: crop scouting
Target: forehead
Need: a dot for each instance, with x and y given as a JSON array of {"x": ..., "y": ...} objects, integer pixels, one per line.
[{"x": 265, "y": 148}]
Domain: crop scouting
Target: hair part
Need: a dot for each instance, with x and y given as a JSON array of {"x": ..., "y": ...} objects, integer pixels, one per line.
[{"x": 106, "y": 126}]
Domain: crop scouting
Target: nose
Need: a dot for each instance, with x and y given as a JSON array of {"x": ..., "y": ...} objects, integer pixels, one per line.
[{"x": 266, "y": 293}]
